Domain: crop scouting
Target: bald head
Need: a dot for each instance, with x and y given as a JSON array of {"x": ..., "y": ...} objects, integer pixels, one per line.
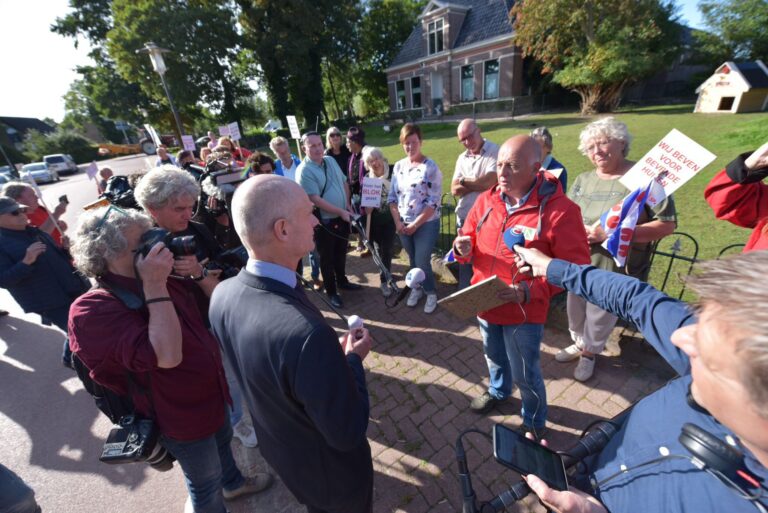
[
  {"x": 469, "y": 135},
  {"x": 259, "y": 202},
  {"x": 518, "y": 164}
]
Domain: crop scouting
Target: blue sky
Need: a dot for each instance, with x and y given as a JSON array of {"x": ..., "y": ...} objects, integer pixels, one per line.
[{"x": 41, "y": 64}]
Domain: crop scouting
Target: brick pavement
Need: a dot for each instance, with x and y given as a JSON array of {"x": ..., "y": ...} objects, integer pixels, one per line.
[{"x": 423, "y": 372}]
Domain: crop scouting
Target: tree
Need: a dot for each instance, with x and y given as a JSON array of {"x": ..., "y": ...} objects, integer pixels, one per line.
[
  {"x": 597, "y": 47},
  {"x": 385, "y": 26},
  {"x": 81, "y": 112},
  {"x": 740, "y": 25}
]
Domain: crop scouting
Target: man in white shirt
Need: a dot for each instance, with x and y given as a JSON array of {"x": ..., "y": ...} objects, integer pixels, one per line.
[{"x": 475, "y": 172}]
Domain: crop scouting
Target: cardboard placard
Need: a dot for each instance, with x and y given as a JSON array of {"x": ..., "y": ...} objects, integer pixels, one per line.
[
  {"x": 673, "y": 161},
  {"x": 234, "y": 131},
  {"x": 189, "y": 142},
  {"x": 92, "y": 170},
  {"x": 294, "y": 126},
  {"x": 370, "y": 192},
  {"x": 223, "y": 130},
  {"x": 152, "y": 134},
  {"x": 480, "y": 297}
]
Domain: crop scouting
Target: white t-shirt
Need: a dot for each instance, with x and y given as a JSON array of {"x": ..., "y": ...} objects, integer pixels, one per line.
[{"x": 474, "y": 166}]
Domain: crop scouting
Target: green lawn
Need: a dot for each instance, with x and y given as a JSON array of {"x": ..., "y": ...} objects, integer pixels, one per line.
[{"x": 725, "y": 135}]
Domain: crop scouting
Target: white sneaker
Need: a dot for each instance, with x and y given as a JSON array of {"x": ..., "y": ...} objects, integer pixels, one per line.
[
  {"x": 245, "y": 434},
  {"x": 188, "y": 508},
  {"x": 431, "y": 303},
  {"x": 385, "y": 290},
  {"x": 568, "y": 354},
  {"x": 414, "y": 296},
  {"x": 584, "y": 369}
]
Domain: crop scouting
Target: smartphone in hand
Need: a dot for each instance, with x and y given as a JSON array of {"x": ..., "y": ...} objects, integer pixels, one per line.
[
  {"x": 524, "y": 456},
  {"x": 63, "y": 199}
]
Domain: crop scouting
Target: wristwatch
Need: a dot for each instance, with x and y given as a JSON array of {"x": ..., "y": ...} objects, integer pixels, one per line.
[
  {"x": 202, "y": 275},
  {"x": 461, "y": 181}
]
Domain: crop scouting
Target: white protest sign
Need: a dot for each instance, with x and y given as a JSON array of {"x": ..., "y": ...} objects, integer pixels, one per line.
[
  {"x": 370, "y": 192},
  {"x": 189, "y": 142},
  {"x": 234, "y": 131},
  {"x": 673, "y": 161},
  {"x": 223, "y": 130},
  {"x": 92, "y": 170},
  {"x": 294, "y": 126},
  {"x": 152, "y": 134}
]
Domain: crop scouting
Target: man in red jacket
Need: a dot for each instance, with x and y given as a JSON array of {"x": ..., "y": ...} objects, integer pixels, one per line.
[
  {"x": 737, "y": 194},
  {"x": 530, "y": 202}
]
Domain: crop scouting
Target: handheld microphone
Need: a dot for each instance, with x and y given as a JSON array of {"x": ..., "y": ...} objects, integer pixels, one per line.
[
  {"x": 413, "y": 280},
  {"x": 514, "y": 237},
  {"x": 355, "y": 325}
]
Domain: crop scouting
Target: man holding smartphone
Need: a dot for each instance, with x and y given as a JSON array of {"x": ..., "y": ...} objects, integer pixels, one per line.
[{"x": 719, "y": 350}]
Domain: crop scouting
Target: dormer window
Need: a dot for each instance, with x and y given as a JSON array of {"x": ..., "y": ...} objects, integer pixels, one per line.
[{"x": 435, "y": 36}]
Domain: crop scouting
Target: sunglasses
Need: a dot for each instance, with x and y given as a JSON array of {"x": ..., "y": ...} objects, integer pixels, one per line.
[
  {"x": 106, "y": 215},
  {"x": 335, "y": 135}
]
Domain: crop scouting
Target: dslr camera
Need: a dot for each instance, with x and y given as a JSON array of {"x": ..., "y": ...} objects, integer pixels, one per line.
[
  {"x": 133, "y": 440},
  {"x": 179, "y": 246}
]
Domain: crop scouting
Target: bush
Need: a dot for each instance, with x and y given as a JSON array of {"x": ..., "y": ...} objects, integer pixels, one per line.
[
  {"x": 256, "y": 138},
  {"x": 37, "y": 145}
]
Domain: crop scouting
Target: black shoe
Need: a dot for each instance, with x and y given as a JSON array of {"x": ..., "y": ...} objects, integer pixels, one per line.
[
  {"x": 336, "y": 301},
  {"x": 348, "y": 285},
  {"x": 484, "y": 403},
  {"x": 67, "y": 363}
]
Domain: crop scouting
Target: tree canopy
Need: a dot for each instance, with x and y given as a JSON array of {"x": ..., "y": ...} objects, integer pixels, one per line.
[
  {"x": 739, "y": 28},
  {"x": 597, "y": 47}
]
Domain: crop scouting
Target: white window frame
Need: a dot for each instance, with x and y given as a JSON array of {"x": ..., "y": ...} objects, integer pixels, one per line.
[{"x": 432, "y": 29}]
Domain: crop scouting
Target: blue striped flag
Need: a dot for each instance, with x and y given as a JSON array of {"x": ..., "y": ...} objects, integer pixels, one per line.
[
  {"x": 620, "y": 221},
  {"x": 449, "y": 257}
]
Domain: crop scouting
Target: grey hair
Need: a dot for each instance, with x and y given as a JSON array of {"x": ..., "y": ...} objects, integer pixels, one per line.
[
  {"x": 96, "y": 242},
  {"x": 256, "y": 209},
  {"x": 372, "y": 152},
  {"x": 738, "y": 286},
  {"x": 158, "y": 186},
  {"x": 608, "y": 127},
  {"x": 16, "y": 189},
  {"x": 542, "y": 134},
  {"x": 277, "y": 141}
]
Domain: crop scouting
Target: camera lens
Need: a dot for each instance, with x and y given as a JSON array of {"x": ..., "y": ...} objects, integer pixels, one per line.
[{"x": 183, "y": 246}]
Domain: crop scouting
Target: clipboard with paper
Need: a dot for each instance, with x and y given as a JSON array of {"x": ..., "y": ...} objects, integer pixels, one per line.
[{"x": 480, "y": 297}]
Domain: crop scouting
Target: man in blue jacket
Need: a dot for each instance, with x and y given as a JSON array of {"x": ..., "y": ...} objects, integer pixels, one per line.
[
  {"x": 720, "y": 351},
  {"x": 38, "y": 273},
  {"x": 304, "y": 386}
]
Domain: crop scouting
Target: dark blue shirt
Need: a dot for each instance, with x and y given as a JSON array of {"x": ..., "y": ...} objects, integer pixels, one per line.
[{"x": 655, "y": 423}]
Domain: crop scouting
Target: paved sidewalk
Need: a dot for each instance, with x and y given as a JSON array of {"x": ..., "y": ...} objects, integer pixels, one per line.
[{"x": 422, "y": 374}]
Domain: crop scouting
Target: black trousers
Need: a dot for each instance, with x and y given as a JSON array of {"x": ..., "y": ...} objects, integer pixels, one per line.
[
  {"x": 383, "y": 234},
  {"x": 331, "y": 238}
]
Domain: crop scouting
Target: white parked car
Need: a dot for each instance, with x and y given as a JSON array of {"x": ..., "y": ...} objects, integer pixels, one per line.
[
  {"x": 61, "y": 163},
  {"x": 40, "y": 172}
]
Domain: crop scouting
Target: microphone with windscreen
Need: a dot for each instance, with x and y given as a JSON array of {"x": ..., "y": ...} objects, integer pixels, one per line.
[
  {"x": 355, "y": 325},
  {"x": 514, "y": 237},
  {"x": 413, "y": 280}
]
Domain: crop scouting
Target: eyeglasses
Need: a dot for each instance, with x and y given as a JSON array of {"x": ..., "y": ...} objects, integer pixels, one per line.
[
  {"x": 106, "y": 215},
  {"x": 598, "y": 145},
  {"x": 335, "y": 135}
]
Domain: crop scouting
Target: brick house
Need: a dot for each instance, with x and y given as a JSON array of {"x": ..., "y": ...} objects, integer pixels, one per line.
[{"x": 461, "y": 52}]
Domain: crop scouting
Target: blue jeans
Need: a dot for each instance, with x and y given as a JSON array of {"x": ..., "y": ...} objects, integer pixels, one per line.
[
  {"x": 419, "y": 247},
  {"x": 59, "y": 317},
  {"x": 236, "y": 411},
  {"x": 15, "y": 495},
  {"x": 512, "y": 353},
  {"x": 314, "y": 264},
  {"x": 465, "y": 270},
  {"x": 208, "y": 466}
]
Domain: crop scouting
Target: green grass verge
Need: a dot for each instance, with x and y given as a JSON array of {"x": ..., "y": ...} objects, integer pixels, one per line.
[{"x": 725, "y": 135}]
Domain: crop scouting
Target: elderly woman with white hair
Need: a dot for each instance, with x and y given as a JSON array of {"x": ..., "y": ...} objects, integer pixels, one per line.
[
  {"x": 145, "y": 335},
  {"x": 605, "y": 143},
  {"x": 382, "y": 231}
]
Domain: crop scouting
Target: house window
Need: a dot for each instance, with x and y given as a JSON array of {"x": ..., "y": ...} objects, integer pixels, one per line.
[
  {"x": 491, "y": 79},
  {"x": 435, "y": 35},
  {"x": 416, "y": 92},
  {"x": 400, "y": 88},
  {"x": 467, "y": 83}
]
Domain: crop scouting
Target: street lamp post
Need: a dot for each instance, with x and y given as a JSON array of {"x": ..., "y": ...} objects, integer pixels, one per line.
[{"x": 156, "y": 56}]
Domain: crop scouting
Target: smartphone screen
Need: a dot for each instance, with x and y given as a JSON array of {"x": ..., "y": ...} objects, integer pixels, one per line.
[{"x": 524, "y": 456}]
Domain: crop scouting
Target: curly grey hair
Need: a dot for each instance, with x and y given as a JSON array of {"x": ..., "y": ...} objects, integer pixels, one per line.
[
  {"x": 162, "y": 184},
  {"x": 100, "y": 237},
  {"x": 609, "y": 128},
  {"x": 277, "y": 141}
]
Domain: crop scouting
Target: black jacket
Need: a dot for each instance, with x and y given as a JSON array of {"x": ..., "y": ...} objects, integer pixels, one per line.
[{"x": 308, "y": 400}]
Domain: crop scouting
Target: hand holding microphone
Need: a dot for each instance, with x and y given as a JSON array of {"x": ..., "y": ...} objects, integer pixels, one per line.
[{"x": 358, "y": 340}]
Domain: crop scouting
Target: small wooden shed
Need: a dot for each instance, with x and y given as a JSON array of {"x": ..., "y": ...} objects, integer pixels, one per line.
[{"x": 735, "y": 87}]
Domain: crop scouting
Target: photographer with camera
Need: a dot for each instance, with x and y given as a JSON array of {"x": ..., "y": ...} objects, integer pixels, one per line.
[
  {"x": 144, "y": 334},
  {"x": 169, "y": 195},
  {"x": 720, "y": 351}
]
